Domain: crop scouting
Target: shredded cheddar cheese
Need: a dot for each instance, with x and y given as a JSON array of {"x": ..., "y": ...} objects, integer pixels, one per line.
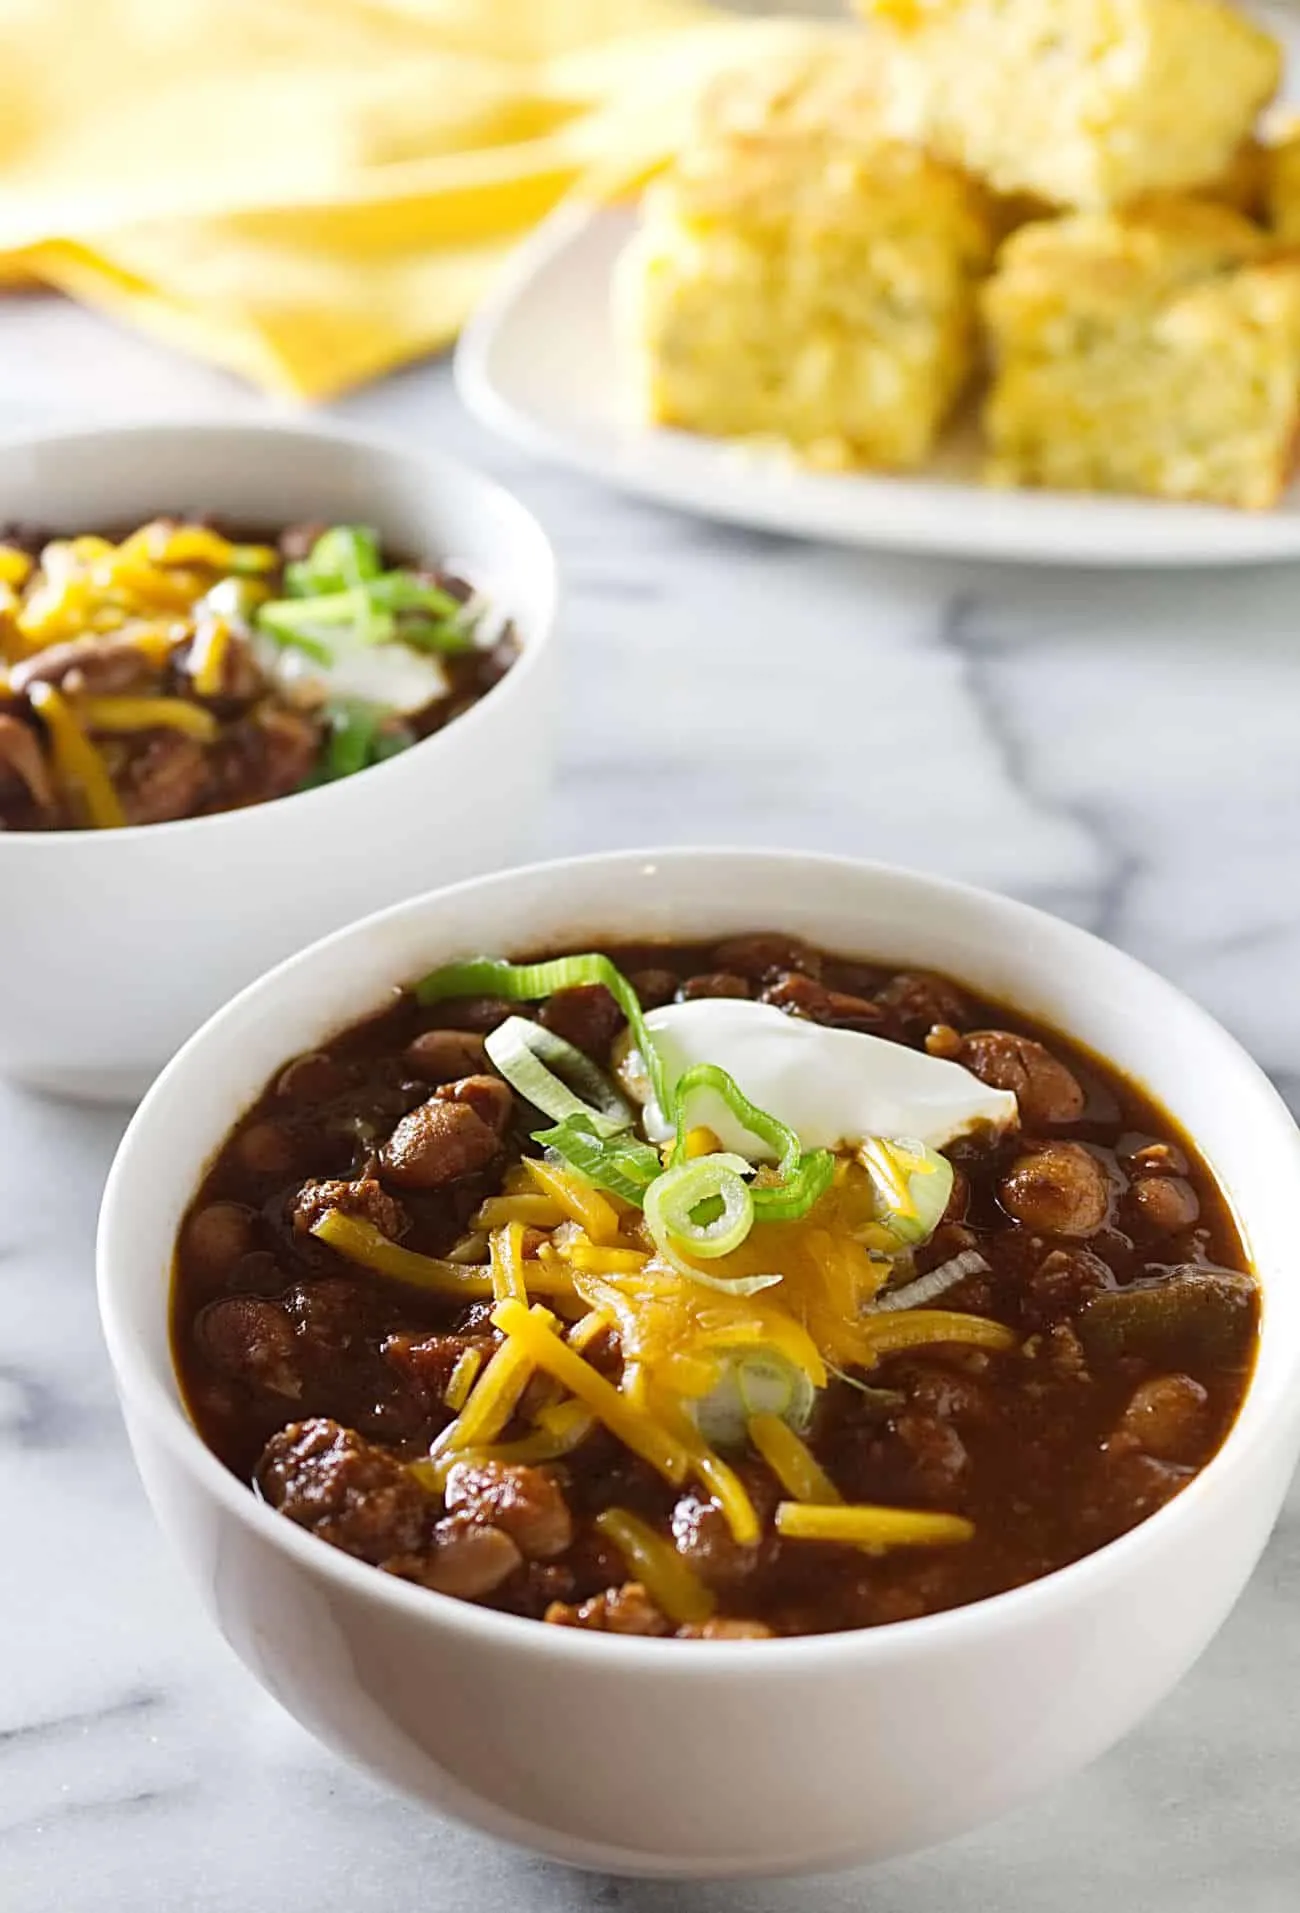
[
  {"x": 579, "y": 1200},
  {"x": 655, "y": 1563},
  {"x": 77, "y": 764},
  {"x": 148, "y": 714},
  {"x": 875, "y": 1529},
  {"x": 506, "y": 1247},
  {"x": 462, "y": 1378},
  {"x": 914, "y": 1328},
  {"x": 792, "y": 1461}
]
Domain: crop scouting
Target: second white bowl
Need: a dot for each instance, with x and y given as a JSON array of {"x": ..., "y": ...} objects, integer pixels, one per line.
[{"x": 117, "y": 944}]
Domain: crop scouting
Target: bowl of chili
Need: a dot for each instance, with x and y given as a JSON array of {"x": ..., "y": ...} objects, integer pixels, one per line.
[
  {"x": 1001, "y": 1496},
  {"x": 255, "y": 681}
]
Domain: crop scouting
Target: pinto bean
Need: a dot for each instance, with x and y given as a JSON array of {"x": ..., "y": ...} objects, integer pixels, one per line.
[
  {"x": 468, "y": 1558},
  {"x": 706, "y": 1542},
  {"x": 103, "y": 666},
  {"x": 1044, "y": 1088},
  {"x": 436, "y": 1144},
  {"x": 309, "y": 1079},
  {"x": 1168, "y": 1417},
  {"x": 653, "y": 987},
  {"x": 802, "y": 996},
  {"x": 252, "y": 1341},
  {"x": 765, "y": 955},
  {"x": 525, "y": 1503},
  {"x": 216, "y": 1236},
  {"x": 489, "y": 1097},
  {"x": 446, "y": 1056},
  {"x": 1162, "y": 1205},
  {"x": 586, "y": 1016},
  {"x": 713, "y": 983},
  {"x": 1057, "y": 1188}
]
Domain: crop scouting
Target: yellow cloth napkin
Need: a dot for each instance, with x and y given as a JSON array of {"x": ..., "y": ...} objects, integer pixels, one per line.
[{"x": 310, "y": 192}]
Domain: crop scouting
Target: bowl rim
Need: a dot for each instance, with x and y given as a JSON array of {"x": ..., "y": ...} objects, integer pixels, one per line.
[
  {"x": 149, "y": 1393},
  {"x": 534, "y": 640}
]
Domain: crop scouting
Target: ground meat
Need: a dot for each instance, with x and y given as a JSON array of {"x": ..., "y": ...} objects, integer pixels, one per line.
[
  {"x": 802, "y": 996},
  {"x": 713, "y": 983},
  {"x": 251, "y": 1341},
  {"x": 217, "y": 1236},
  {"x": 586, "y": 1016},
  {"x": 468, "y": 1558},
  {"x": 914, "y": 1001},
  {"x": 1057, "y": 1188},
  {"x": 1062, "y": 1283},
  {"x": 428, "y": 1360},
  {"x": 526, "y": 1503},
  {"x": 706, "y": 1542},
  {"x": 625, "y": 1610},
  {"x": 942, "y": 1394},
  {"x": 766, "y": 955},
  {"x": 349, "y": 1492},
  {"x": 99, "y": 666},
  {"x": 366, "y": 1197},
  {"x": 1168, "y": 1417},
  {"x": 1044, "y": 1089},
  {"x": 1161, "y": 1204},
  {"x": 489, "y": 1097},
  {"x": 722, "y": 1629},
  {"x": 164, "y": 777},
  {"x": 945, "y": 1042},
  {"x": 1065, "y": 1355},
  {"x": 437, "y": 1144},
  {"x": 934, "y": 1458},
  {"x": 328, "y": 1313},
  {"x": 22, "y": 759},
  {"x": 446, "y": 1056},
  {"x": 270, "y": 756},
  {"x": 1128, "y": 1487}
]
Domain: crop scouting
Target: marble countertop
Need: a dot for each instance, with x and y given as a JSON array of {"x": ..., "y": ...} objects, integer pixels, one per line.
[{"x": 1118, "y": 748}]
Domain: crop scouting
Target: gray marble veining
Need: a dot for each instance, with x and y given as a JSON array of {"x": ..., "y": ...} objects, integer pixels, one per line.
[{"x": 1120, "y": 748}]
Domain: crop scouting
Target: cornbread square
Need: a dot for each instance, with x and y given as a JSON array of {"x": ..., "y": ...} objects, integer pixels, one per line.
[
  {"x": 800, "y": 287},
  {"x": 1086, "y": 103},
  {"x": 1282, "y": 190},
  {"x": 1155, "y": 350}
]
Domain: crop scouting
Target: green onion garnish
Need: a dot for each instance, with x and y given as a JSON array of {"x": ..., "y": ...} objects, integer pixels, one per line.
[
  {"x": 529, "y": 1056},
  {"x": 670, "y": 1205},
  {"x": 344, "y": 555},
  {"x": 912, "y": 1185},
  {"x": 621, "y": 1164},
  {"x": 803, "y": 1178},
  {"x": 753, "y": 1382},
  {"x": 530, "y": 982}
]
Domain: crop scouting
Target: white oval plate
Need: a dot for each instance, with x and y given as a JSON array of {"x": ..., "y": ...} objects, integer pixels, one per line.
[{"x": 538, "y": 364}]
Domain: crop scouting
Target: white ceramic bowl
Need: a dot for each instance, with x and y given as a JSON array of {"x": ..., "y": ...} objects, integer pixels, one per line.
[
  {"x": 728, "y": 1757},
  {"x": 117, "y": 944}
]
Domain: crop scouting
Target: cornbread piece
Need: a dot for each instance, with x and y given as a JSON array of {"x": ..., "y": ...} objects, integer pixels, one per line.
[
  {"x": 1282, "y": 188},
  {"x": 831, "y": 87},
  {"x": 1086, "y": 103},
  {"x": 804, "y": 289},
  {"x": 1156, "y": 350}
]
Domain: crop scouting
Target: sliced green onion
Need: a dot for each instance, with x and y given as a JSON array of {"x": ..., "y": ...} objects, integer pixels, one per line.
[
  {"x": 912, "y": 1186},
  {"x": 351, "y": 739},
  {"x": 753, "y": 1382},
  {"x": 620, "y": 1164},
  {"x": 269, "y": 623},
  {"x": 445, "y": 637},
  {"x": 803, "y": 1178},
  {"x": 528, "y": 1057},
  {"x": 404, "y": 591},
  {"x": 674, "y": 1196},
  {"x": 671, "y": 1203},
  {"x": 529, "y": 982},
  {"x": 344, "y": 555}
]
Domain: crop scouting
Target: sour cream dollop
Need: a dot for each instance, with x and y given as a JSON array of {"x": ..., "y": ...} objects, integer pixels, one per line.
[{"x": 834, "y": 1088}]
